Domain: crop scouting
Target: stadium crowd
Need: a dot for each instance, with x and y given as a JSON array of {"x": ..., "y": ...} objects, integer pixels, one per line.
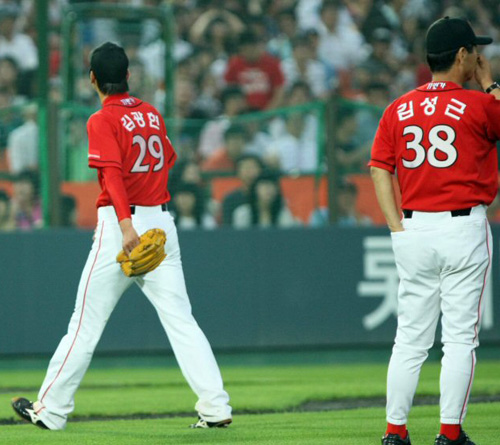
[{"x": 236, "y": 62}]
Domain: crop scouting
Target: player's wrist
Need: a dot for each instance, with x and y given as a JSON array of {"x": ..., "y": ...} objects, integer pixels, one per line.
[
  {"x": 125, "y": 224},
  {"x": 488, "y": 87}
]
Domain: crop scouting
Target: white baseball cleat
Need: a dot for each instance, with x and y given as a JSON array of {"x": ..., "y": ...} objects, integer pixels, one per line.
[{"x": 24, "y": 409}]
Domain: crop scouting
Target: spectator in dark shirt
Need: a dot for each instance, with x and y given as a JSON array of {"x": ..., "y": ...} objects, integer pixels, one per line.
[
  {"x": 68, "y": 211},
  {"x": 380, "y": 66},
  {"x": 188, "y": 208},
  {"x": 26, "y": 207},
  {"x": 224, "y": 159},
  {"x": 248, "y": 169},
  {"x": 266, "y": 206},
  {"x": 6, "y": 222}
]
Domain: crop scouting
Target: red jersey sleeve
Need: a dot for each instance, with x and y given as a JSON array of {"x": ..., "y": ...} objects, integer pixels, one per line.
[
  {"x": 383, "y": 149},
  {"x": 492, "y": 108},
  {"x": 112, "y": 176},
  {"x": 104, "y": 147}
]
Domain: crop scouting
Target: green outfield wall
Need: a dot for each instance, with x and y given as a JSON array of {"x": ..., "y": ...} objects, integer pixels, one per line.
[{"x": 249, "y": 289}]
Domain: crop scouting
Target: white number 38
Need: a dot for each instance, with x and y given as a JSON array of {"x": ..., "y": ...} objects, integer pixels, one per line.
[{"x": 445, "y": 146}]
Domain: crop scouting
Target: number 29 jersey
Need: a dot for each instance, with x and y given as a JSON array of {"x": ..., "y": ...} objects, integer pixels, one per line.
[
  {"x": 130, "y": 134},
  {"x": 440, "y": 138}
]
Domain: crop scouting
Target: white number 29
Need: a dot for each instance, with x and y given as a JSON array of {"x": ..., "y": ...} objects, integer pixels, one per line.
[
  {"x": 155, "y": 148},
  {"x": 437, "y": 144}
]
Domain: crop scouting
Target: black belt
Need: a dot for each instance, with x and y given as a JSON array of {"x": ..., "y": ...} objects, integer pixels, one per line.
[
  {"x": 163, "y": 208},
  {"x": 460, "y": 212}
]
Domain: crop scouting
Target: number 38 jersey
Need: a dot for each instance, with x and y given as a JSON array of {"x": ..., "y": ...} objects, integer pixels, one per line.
[
  {"x": 130, "y": 134},
  {"x": 440, "y": 138}
]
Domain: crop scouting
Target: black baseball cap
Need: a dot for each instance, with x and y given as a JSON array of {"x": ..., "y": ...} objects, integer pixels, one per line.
[
  {"x": 447, "y": 34},
  {"x": 109, "y": 63}
]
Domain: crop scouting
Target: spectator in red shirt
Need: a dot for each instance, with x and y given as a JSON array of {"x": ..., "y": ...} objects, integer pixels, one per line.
[
  {"x": 257, "y": 73},
  {"x": 224, "y": 159}
]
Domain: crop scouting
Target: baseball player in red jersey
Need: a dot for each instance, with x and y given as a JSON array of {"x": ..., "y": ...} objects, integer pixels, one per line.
[
  {"x": 440, "y": 139},
  {"x": 129, "y": 147}
]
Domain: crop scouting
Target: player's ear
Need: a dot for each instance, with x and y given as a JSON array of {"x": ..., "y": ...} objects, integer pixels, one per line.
[
  {"x": 92, "y": 77},
  {"x": 128, "y": 75},
  {"x": 462, "y": 54}
]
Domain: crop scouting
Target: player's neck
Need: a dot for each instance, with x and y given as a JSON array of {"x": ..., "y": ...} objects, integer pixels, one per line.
[
  {"x": 102, "y": 96},
  {"x": 449, "y": 76}
]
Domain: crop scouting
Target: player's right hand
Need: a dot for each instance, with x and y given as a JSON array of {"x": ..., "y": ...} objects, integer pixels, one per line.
[{"x": 130, "y": 236}]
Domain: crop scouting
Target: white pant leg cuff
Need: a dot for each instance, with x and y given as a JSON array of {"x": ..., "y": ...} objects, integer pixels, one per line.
[
  {"x": 397, "y": 421},
  {"x": 217, "y": 416},
  {"x": 46, "y": 418},
  {"x": 450, "y": 421}
]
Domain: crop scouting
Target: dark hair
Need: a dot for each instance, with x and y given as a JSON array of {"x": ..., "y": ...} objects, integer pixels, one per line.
[
  {"x": 11, "y": 61},
  {"x": 68, "y": 206},
  {"x": 237, "y": 130},
  {"x": 248, "y": 37},
  {"x": 4, "y": 196},
  {"x": 231, "y": 92},
  {"x": 207, "y": 35},
  {"x": 287, "y": 12},
  {"x": 113, "y": 88},
  {"x": 377, "y": 85},
  {"x": 299, "y": 40},
  {"x": 347, "y": 186},
  {"x": 175, "y": 179},
  {"x": 442, "y": 62},
  {"x": 247, "y": 157},
  {"x": 277, "y": 204},
  {"x": 330, "y": 4},
  {"x": 298, "y": 85},
  {"x": 344, "y": 113},
  {"x": 199, "y": 206},
  {"x": 31, "y": 177}
]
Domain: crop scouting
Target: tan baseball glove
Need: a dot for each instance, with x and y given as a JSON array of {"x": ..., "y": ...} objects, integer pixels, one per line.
[{"x": 145, "y": 257}]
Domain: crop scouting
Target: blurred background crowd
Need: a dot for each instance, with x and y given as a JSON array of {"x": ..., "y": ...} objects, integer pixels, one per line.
[{"x": 252, "y": 82}]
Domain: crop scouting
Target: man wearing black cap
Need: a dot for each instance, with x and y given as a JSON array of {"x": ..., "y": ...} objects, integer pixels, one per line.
[
  {"x": 129, "y": 147},
  {"x": 440, "y": 138}
]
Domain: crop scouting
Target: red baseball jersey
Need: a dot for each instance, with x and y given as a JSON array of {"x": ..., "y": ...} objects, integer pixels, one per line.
[
  {"x": 257, "y": 80},
  {"x": 130, "y": 134},
  {"x": 441, "y": 140}
]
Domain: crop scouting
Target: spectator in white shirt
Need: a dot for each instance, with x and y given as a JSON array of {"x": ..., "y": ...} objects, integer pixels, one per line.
[
  {"x": 341, "y": 45},
  {"x": 281, "y": 45},
  {"x": 303, "y": 66},
  {"x": 22, "y": 144},
  {"x": 295, "y": 145},
  {"x": 294, "y": 151},
  {"x": 212, "y": 134},
  {"x": 15, "y": 44}
]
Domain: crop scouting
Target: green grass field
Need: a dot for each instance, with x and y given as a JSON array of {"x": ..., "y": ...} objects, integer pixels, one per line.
[{"x": 269, "y": 398}]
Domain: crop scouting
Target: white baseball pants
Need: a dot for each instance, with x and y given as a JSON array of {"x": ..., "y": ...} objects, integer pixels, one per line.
[
  {"x": 443, "y": 264},
  {"x": 101, "y": 286}
]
